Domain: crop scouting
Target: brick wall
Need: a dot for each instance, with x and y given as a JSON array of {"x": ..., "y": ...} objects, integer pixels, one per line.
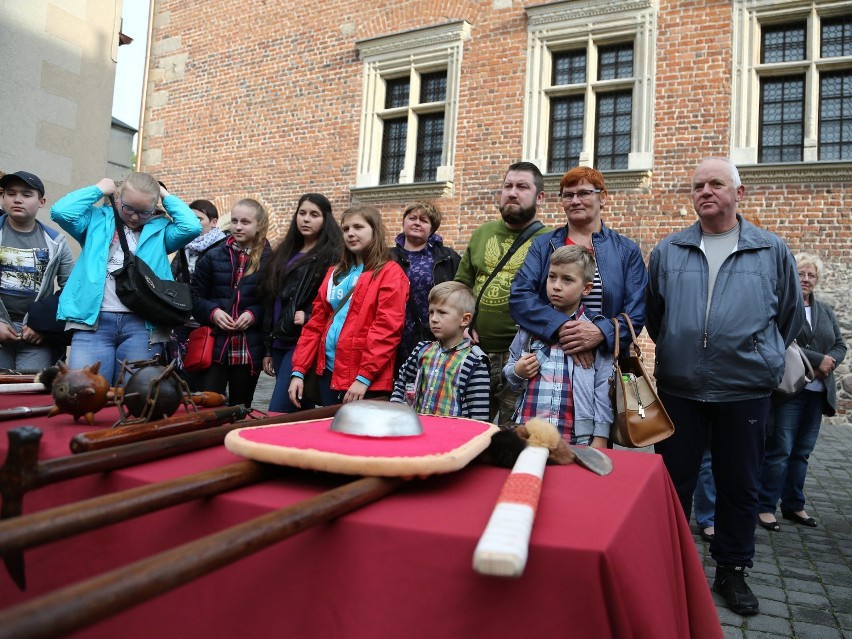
[{"x": 263, "y": 100}]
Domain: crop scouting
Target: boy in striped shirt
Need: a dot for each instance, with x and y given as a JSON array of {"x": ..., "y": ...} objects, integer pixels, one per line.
[
  {"x": 572, "y": 398},
  {"x": 449, "y": 376}
]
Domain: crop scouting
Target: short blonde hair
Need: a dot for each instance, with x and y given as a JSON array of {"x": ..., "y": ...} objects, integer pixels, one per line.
[
  {"x": 453, "y": 293},
  {"x": 810, "y": 259},
  {"x": 576, "y": 254}
]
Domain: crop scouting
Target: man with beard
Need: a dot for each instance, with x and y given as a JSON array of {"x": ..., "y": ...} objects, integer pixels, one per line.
[{"x": 494, "y": 254}]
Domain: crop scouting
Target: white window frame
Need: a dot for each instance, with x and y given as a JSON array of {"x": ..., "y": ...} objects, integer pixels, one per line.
[
  {"x": 748, "y": 16},
  {"x": 575, "y": 24},
  {"x": 408, "y": 54}
]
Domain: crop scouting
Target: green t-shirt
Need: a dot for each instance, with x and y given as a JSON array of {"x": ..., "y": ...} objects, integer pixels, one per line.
[{"x": 487, "y": 246}]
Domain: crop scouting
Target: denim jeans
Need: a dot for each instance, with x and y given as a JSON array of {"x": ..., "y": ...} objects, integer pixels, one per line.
[
  {"x": 704, "y": 499},
  {"x": 282, "y": 362},
  {"x": 25, "y": 357},
  {"x": 737, "y": 431},
  {"x": 785, "y": 464},
  {"x": 119, "y": 336}
]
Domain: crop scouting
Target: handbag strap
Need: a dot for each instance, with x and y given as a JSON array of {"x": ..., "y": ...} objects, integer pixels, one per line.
[
  {"x": 523, "y": 236},
  {"x": 629, "y": 323},
  {"x": 343, "y": 300}
]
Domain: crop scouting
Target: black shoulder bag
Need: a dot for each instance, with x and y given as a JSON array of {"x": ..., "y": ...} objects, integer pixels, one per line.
[
  {"x": 162, "y": 302},
  {"x": 526, "y": 234}
]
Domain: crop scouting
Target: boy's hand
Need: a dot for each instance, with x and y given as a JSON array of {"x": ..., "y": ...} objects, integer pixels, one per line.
[
  {"x": 527, "y": 366},
  {"x": 299, "y": 318},
  {"x": 8, "y": 334},
  {"x": 599, "y": 442},
  {"x": 267, "y": 366}
]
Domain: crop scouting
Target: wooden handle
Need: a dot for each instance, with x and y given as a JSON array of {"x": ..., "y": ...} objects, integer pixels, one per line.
[
  {"x": 29, "y": 531},
  {"x": 504, "y": 546},
  {"x": 131, "y": 433},
  {"x": 76, "y": 606}
]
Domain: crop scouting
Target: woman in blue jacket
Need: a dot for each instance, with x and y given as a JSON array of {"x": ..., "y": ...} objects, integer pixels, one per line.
[
  {"x": 106, "y": 330},
  {"x": 620, "y": 280}
]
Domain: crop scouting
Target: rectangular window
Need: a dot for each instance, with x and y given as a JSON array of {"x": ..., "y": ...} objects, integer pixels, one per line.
[
  {"x": 410, "y": 108},
  {"x": 566, "y": 133},
  {"x": 782, "y": 102},
  {"x": 612, "y": 142},
  {"x": 802, "y": 83},
  {"x": 590, "y": 85},
  {"x": 835, "y": 116},
  {"x": 393, "y": 150},
  {"x": 613, "y": 113}
]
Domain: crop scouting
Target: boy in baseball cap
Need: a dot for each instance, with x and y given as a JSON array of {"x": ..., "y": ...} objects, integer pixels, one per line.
[{"x": 34, "y": 256}]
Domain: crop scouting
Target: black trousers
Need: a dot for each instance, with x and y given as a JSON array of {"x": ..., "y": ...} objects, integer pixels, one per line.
[
  {"x": 736, "y": 433},
  {"x": 238, "y": 381}
]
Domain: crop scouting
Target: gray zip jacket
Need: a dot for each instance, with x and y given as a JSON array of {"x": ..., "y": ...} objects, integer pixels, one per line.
[
  {"x": 59, "y": 265},
  {"x": 755, "y": 313}
]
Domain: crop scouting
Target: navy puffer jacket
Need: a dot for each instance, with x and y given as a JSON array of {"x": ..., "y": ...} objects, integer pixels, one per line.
[{"x": 213, "y": 286}]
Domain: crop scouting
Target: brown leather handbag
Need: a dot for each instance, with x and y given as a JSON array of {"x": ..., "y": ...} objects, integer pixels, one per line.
[{"x": 639, "y": 417}]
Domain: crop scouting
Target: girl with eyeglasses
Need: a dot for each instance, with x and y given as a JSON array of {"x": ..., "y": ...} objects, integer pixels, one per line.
[{"x": 105, "y": 330}]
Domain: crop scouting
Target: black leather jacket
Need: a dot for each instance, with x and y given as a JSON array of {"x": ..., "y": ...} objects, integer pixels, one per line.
[{"x": 298, "y": 293}]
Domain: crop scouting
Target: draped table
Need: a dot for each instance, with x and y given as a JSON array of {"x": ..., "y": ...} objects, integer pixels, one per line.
[{"x": 609, "y": 556}]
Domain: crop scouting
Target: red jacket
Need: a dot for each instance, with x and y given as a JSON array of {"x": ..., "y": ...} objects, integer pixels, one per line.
[{"x": 370, "y": 335}]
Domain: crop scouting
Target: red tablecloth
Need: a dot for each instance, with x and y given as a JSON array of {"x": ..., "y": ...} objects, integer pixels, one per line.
[{"x": 610, "y": 556}]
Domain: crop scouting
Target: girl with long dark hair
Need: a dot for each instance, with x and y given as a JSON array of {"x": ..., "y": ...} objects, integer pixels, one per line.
[{"x": 313, "y": 243}]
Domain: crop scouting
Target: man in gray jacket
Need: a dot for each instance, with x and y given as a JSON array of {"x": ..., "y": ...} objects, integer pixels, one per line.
[
  {"x": 723, "y": 304},
  {"x": 32, "y": 257}
]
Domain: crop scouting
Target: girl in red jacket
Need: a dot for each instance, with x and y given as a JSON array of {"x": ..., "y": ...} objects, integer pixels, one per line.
[{"x": 356, "y": 323}]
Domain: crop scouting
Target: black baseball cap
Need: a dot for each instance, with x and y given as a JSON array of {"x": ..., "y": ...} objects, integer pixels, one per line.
[{"x": 27, "y": 178}]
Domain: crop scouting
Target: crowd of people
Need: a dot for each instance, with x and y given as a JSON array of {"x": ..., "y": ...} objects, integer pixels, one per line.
[{"x": 518, "y": 326}]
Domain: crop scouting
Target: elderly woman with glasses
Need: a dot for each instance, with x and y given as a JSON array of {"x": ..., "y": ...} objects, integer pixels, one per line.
[
  {"x": 797, "y": 420},
  {"x": 618, "y": 287},
  {"x": 104, "y": 329}
]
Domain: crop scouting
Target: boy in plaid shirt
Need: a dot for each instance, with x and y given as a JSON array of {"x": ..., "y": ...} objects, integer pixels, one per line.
[
  {"x": 572, "y": 398},
  {"x": 449, "y": 376}
]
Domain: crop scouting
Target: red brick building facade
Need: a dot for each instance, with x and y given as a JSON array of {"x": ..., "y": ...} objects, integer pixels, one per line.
[{"x": 273, "y": 99}]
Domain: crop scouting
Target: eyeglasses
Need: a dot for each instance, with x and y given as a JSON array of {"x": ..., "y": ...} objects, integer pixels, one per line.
[
  {"x": 805, "y": 275},
  {"x": 583, "y": 194},
  {"x": 142, "y": 215}
]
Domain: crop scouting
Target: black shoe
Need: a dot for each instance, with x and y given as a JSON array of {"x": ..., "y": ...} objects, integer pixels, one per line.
[
  {"x": 730, "y": 583},
  {"x": 810, "y": 522},
  {"x": 771, "y": 526}
]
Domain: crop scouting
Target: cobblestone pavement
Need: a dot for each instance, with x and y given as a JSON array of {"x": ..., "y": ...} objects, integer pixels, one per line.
[{"x": 802, "y": 576}]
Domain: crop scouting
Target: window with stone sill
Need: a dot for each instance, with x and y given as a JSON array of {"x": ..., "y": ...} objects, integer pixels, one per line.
[
  {"x": 410, "y": 105},
  {"x": 590, "y": 81},
  {"x": 792, "y": 71}
]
